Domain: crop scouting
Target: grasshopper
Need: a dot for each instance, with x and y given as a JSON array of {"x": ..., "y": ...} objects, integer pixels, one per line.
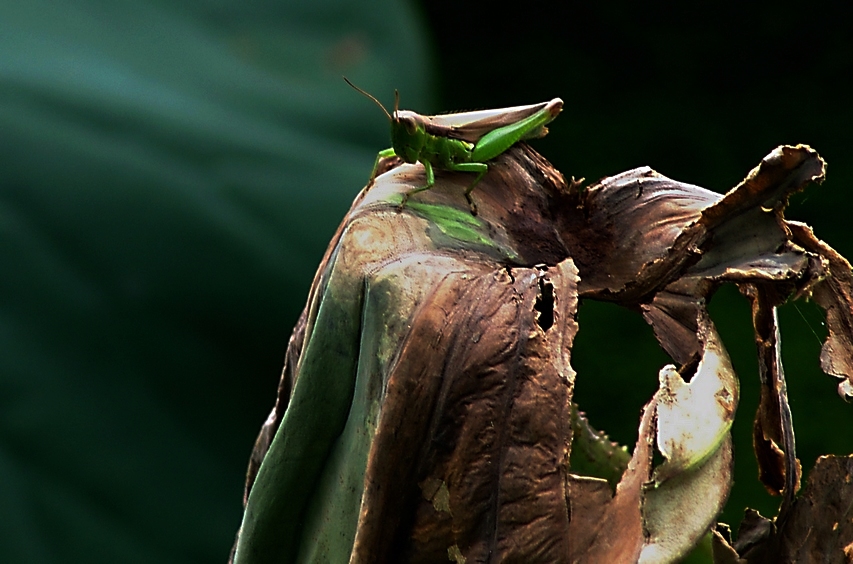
[{"x": 461, "y": 142}]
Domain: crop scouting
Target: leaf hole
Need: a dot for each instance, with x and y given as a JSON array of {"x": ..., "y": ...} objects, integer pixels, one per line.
[{"x": 545, "y": 304}]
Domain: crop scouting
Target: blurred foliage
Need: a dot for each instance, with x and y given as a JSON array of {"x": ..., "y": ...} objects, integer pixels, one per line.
[{"x": 170, "y": 175}]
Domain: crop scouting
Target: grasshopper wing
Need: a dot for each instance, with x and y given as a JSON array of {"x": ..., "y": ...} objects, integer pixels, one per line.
[{"x": 471, "y": 126}]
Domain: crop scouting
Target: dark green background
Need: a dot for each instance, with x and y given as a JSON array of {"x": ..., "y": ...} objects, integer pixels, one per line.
[{"x": 169, "y": 178}]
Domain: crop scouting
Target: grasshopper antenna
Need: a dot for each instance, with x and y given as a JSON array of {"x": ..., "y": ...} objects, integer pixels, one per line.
[{"x": 377, "y": 102}]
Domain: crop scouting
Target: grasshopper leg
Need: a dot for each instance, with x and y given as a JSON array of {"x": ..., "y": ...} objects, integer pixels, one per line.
[
  {"x": 430, "y": 182},
  {"x": 384, "y": 154},
  {"x": 480, "y": 169}
]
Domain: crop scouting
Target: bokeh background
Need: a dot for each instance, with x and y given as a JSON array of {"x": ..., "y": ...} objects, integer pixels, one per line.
[{"x": 170, "y": 174}]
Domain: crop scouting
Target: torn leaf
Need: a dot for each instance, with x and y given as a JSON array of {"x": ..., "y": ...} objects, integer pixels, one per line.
[{"x": 425, "y": 414}]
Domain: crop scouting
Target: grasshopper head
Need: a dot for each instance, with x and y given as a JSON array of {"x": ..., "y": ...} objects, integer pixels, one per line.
[{"x": 408, "y": 134}]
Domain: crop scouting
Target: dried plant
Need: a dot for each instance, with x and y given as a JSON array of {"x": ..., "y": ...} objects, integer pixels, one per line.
[{"x": 425, "y": 409}]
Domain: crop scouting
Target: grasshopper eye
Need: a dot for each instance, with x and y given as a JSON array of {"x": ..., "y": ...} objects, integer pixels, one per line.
[{"x": 409, "y": 124}]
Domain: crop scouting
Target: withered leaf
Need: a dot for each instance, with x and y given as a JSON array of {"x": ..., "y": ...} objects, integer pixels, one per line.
[
  {"x": 456, "y": 380},
  {"x": 773, "y": 429},
  {"x": 834, "y": 293},
  {"x": 425, "y": 414},
  {"x": 818, "y": 527},
  {"x": 658, "y": 515}
]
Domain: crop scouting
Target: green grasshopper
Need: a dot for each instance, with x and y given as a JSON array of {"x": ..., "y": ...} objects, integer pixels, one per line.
[{"x": 460, "y": 142}]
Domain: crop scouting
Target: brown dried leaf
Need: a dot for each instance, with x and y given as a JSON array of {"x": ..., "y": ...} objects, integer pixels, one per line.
[
  {"x": 486, "y": 413},
  {"x": 773, "y": 430},
  {"x": 673, "y": 315},
  {"x": 456, "y": 439},
  {"x": 721, "y": 544},
  {"x": 744, "y": 239},
  {"x": 818, "y": 527},
  {"x": 834, "y": 294},
  {"x": 458, "y": 433},
  {"x": 629, "y": 221},
  {"x": 645, "y": 231}
]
